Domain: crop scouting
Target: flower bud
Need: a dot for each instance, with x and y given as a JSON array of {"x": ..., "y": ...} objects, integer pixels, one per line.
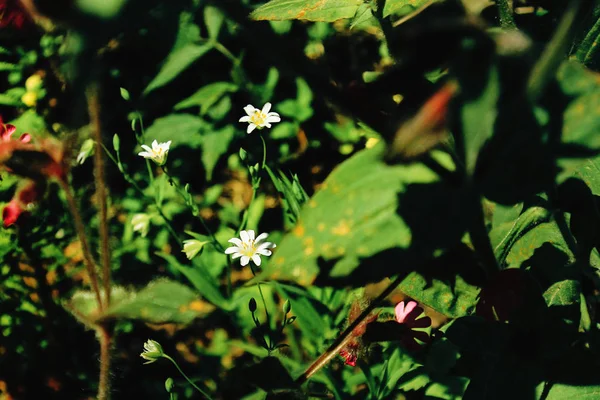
[{"x": 152, "y": 351}]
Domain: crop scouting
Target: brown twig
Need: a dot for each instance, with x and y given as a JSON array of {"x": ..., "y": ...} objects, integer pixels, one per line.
[
  {"x": 345, "y": 337},
  {"x": 100, "y": 181},
  {"x": 85, "y": 248}
]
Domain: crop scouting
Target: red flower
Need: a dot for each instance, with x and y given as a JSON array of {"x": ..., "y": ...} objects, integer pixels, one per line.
[
  {"x": 7, "y": 130},
  {"x": 350, "y": 353},
  {"x": 12, "y": 14},
  {"x": 417, "y": 334},
  {"x": 28, "y": 193}
]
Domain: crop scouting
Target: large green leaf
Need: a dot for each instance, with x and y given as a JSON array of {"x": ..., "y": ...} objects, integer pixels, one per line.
[
  {"x": 478, "y": 116},
  {"x": 214, "y": 145},
  {"x": 354, "y": 216},
  {"x": 311, "y": 10},
  {"x": 207, "y": 96},
  {"x": 394, "y": 6},
  {"x": 176, "y": 63},
  {"x": 161, "y": 301},
  {"x": 182, "y": 129},
  {"x": 561, "y": 391},
  {"x": 453, "y": 300},
  {"x": 204, "y": 283},
  {"x": 589, "y": 172}
]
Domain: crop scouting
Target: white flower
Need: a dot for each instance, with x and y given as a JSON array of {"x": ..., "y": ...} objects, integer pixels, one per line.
[
  {"x": 152, "y": 351},
  {"x": 249, "y": 247},
  {"x": 141, "y": 223},
  {"x": 87, "y": 149},
  {"x": 158, "y": 152},
  {"x": 259, "y": 118},
  {"x": 191, "y": 247}
]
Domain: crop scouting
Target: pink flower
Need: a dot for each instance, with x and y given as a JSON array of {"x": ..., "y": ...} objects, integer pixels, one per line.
[
  {"x": 7, "y": 130},
  {"x": 29, "y": 192},
  {"x": 12, "y": 14},
  {"x": 408, "y": 313},
  {"x": 350, "y": 353}
]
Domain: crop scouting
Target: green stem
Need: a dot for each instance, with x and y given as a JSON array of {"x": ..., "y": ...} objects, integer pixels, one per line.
[
  {"x": 187, "y": 378},
  {"x": 267, "y": 316},
  {"x": 554, "y": 53},
  {"x": 194, "y": 210},
  {"x": 345, "y": 337},
  {"x": 133, "y": 183},
  {"x": 505, "y": 12}
]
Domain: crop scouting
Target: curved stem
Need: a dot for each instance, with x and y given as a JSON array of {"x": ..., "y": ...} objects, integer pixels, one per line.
[
  {"x": 346, "y": 336},
  {"x": 187, "y": 378},
  {"x": 85, "y": 248}
]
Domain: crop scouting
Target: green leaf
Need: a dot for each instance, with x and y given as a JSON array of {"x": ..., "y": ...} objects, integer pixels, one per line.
[
  {"x": 4, "y": 66},
  {"x": 563, "y": 293},
  {"x": 353, "y": 216},
  {"x": 311, "y": 10},
  {"x": 214, "y": 145},
  {"x": 101, "y": 8},
  {"x": 182, "y": 129},
  {"x": 213, "y": 18},
  {"x": 125, "y": 94},
  {"x": 589, "y": 172},
  {"x": 478, "y": 116},
  {"x": 8, "y": 100},
  {"x": 207, "y": 96},
  {"x": 202, "y": 281},
  {"x": 562, "y": 391},
  {"x": 394, "y": 6},
  {"x": 162, "y": 301},
  {"x": 30, "y": 122},
  {"x": 454, "y": 299},
  {"x": 176, "y": 63}
]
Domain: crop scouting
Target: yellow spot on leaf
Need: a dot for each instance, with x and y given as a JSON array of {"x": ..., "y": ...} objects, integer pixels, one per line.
[
  {"x": 341, "y": 229},
  {"x": 298, "y": 230},
  {"x": 321, "y": 227}
]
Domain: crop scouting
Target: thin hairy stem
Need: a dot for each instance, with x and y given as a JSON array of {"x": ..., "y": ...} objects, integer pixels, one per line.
[
  {"x": 507, "y": 21},
  {"x": 101, "y": 196},
  {"x": 85, "y": 248},
  {"x": 105, "y": 338},
  {"x": 346, "y": 336}
]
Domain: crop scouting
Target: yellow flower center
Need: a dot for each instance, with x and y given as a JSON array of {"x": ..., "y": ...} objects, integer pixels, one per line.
[
  {"x": 259, "y": 118},
  {"x": 248, "y": 249}
]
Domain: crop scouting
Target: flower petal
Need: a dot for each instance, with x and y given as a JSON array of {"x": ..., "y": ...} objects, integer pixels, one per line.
[
  {"x": 261, "y": 237},
  {"x": 244, "y": 261},
  {"x": 245, "y": 237},
  {"x": 235, "y": 241},
  {"x": 273, "y": 118},
  {"x": 264, "y": 252},
  {"x": 266, "y": 108},
  {"x": 245, "y": 118},
  {"x": 399, "y": 310},
  {"x": 251, "y": 235},
  {"x": 256, "y": 259},
  {"x": 249, "y": 109},
  {"x": 251, "y": 127},
  {"x": 147, "y": 148},
  {"x": 231, "y": 250},
  {"x": 236, "y": 255},
  {"x": 154, "y": 144}
]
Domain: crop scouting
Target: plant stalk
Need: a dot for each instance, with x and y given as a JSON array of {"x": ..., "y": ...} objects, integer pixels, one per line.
[
  {"x": 507, "y": 21},
  {"x": 105, "y": 338},
  {"x": 85, "y": 248},
  {"x": 346, "y": 336},
  {"x": 101, "y": 196}
]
